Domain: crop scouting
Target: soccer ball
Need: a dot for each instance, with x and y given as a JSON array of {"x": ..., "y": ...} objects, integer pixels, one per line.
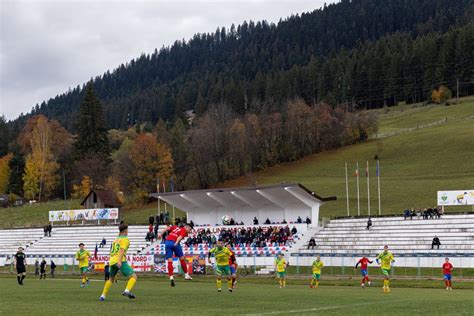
[{"x": 226, "y": 220}]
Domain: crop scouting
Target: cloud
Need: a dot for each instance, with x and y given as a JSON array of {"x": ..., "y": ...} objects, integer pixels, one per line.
[{"x": 49, "y": 46}]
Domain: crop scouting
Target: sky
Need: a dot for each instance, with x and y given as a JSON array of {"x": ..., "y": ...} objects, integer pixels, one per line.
[{"x": 46, "y": 47}]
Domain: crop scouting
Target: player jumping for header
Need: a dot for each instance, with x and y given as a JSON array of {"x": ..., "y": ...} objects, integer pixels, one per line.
[{"x": 173, "y": 246}]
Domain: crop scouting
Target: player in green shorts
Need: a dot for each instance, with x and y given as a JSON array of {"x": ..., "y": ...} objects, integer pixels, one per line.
[
  {"x": 222, "y": 255},
  {"x": 316, "y": 267},
  {"x": 280, "y": 267},
  {"x": 82, "y": 256},
  {"x": 118, "y": 262},
  {"x": 386, "y": 258}
]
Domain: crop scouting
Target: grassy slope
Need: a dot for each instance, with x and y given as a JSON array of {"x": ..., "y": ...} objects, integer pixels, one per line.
[
  {"x": 414, "y": 165},
  {"x": 65, "y": 297}
]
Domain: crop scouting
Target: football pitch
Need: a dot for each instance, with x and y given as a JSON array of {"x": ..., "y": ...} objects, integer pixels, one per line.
[{"x": 251, "y": 297}]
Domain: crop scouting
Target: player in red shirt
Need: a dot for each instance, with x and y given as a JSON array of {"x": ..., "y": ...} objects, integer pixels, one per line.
[
  {"x": 447, "y": 268},
  {"x": 233, "y": 266},
  {"x": 364, "y": 262},
  {"x": 173, "y": 246}
]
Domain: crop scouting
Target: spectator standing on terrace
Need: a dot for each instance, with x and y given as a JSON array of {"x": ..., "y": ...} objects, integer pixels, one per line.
[
  {"x": 151, "y": 220},
  {"x": 255, "y": 221},
  {"x": 406, "y": 214},
  {"x": 267, "y": 221},
  {"x": 299, "y": 220},
  {"x": 45, "y": 230},
  {"x": 308, "y": 221},
  {"x": 412, "y": 214},
  {"x": 435, "y": 242},
  {"x": 294, "y": 230},
  {"x": 369, "y": 224},
  {"x": 50, "y": 229}
]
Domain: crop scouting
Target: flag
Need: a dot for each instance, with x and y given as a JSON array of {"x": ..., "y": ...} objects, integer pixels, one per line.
[
  {"x": 377, "y": 170},
  {"x": 357, "y": 170},
  {"x": 172, "y": 184},
  {"x": 157, "y": 185},
  {"x": 164, "y": 185},
  {"x": 96, "y": 251},
  {"x": 367, "y": 169}
]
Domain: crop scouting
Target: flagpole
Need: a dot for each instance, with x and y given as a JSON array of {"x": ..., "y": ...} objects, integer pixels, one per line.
[
  {"x": 172, "y": 190},
  {"x": 358, "y": 200},
  {"x": 368, "y": 187},
  {"x": 158, "y": 191},
  {"x": 164, "y": 191},
  {"x": 378, "y": 185},
  {"x": 347, "y": 192}
]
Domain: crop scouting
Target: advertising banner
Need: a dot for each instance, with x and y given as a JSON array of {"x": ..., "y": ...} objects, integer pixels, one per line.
[
  {"x": 139, "y": 263},
  {"x": 465, "y": 197},
  {"x": 84, "y": 215}
]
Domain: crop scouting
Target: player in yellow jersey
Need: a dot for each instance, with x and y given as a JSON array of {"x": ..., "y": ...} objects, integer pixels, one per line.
[
  {"x": 118, "y": 262},
  {"x": 280, "y": 267},
  {"x": 316, "y": 267},
  {"x": 82, "y": 256},
  {"x": 386, "y": 258},
  {"x": 222, "y": 255}
]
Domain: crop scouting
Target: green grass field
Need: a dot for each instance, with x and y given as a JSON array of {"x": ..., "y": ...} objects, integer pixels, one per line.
[
  {"x": 155, "y": 297},
  {"x": 413, "y": 165}
]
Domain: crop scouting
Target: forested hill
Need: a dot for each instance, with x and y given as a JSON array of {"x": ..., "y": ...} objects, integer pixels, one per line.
[{"x": 361, "y": 52}]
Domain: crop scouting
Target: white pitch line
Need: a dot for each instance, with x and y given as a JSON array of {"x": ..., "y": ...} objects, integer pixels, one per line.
[{"x": 319, "y": 308}]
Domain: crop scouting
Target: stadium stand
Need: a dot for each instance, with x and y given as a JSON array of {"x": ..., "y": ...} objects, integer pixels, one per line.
[
  {"x": 65, "y": 240},
  {"x": 343, "y": 236},
  {"x": 11, "y": 239}
]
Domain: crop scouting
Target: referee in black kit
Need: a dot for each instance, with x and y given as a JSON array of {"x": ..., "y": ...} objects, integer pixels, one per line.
[{"x": 20, "y": 265}]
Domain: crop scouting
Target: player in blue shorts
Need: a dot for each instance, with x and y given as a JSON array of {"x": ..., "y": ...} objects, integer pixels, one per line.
[
  {"x": 233, "y": 266},
  {"x": 173, "y": 246}
]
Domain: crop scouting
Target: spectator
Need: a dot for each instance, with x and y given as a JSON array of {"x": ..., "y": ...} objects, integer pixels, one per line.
[
  {"x": 255, "y": 221},
  {"x": 284, "y": 221},
  {"x": 151, "y": 220},
  {"x": 308, "y": 221},
  {"x": 299, "y": 220},
  {"x": 50, "y": 229},
  {"x": 37, "y": 267},
  {"x": 45, "y": 229},
  {"x": 406, "y": 214},
  {"x": 166, "y": 218},
  {"x": 157, "y": 219},
  {"x": 106, "y": 271},
  {"x": 312, "y": 243},
  {"x": 150, "y": 228},
  {"x": 53, "y": 267},
  {"x": 232, "y": 221},
  {"x": 103, "y": 243},
  {"x": 267, "y": 221},
  {"x": 418, "y": 214},
  {"x": 369, "y": 224},
  {"x": 242, "y": 223},
  {"x": 294, "y": 230},
  {"x": 440, "y": 211},
  {"x": 162, "y": 218},
  {"x": 191, "y": 222},
  {"x": 412, "y": 214},
  {"x": 435, "y": 242},
  {"x": 43, "y": 269}
]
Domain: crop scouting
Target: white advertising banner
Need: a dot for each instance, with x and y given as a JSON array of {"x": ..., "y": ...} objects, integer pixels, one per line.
[
  {"x": 84, "y": 215},
  {"x": 465, "y": 197}
]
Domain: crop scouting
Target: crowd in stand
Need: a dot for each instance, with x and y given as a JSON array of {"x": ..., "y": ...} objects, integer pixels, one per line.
[
  {"x": 427, "y": 213},
  {"x": 245, "y": 237}
]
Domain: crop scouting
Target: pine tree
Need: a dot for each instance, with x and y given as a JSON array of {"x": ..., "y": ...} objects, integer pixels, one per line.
[{"x": 91, "y": 131}]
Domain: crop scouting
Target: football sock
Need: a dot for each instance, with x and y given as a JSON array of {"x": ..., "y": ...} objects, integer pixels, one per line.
[
  {"x": 219, "y": 283},
  {"x": 450, "y": 285},
  {"x": 317, "y": 283},
  {"x": 130, "y": 284},
  {"x": 312, "y": 282},
  {"x": 229, "y": 283},
  {"x": 106, "y": 289},
  {"x": 170, "y": 268},
  {"x": 233, "y": 281},
  {"x": 83, "y": 280},
  {"x": 363, "y": 280},
  {"x": 446, "y": 282},
  {"x": 18, "y": 278},
  {"x": 367, "y": 279},
  {"x": 184, "y": 266},
  {"x": 284, "y": 282},
  {"x": 22, "y": 278}
]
